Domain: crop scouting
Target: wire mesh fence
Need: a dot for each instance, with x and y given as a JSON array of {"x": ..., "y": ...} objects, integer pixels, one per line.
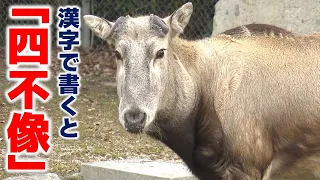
[
  {"x": 199, "y": 26},
  {"x": 97, "y": 56}
]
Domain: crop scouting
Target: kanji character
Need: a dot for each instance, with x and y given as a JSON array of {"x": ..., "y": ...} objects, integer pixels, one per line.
[
  {"x": 67, "y": 124},
  {"x": 66, "y": 58},
  {"x": 64, "y": 106},
  {"x": 68, "y": 83},
  {"x": 43, "y": 12},
  {"x": 69, "y": 17},
  {"x": 25, "y": 134},
  {"x": 14, "y": 165},
  {"x": 68, "y": 39},
  {"x": 27, "y": 131},
  {"x": 28, "y": 87},
  {"x": 20, "y": 38}
]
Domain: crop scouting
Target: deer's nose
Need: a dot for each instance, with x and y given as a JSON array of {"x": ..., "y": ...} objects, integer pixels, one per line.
[{"x": 134, "y": 120}]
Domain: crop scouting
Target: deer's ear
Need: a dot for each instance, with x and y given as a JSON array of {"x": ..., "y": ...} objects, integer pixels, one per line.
[
  {"x": 179, "y": 19},
  {"x": 101, "y": 27}
]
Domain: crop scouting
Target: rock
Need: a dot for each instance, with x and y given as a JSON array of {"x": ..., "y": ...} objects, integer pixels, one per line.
[
  {"x": 136, "y": 169},
  {"x": 294, "y": 15},
  {"x": 75, "y": 176},
  {"x": 47, "y": 176},
  {"x": 96, "y": 67}
]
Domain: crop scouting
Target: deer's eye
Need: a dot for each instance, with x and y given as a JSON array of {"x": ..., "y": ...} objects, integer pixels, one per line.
[
  {"x": 118, "y": 55},
  {"x": 160, "y": 54}
]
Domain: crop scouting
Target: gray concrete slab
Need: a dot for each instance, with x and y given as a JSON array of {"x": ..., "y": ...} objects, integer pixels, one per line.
[
  {"x": 135, "y": 169},
  {"x": 42, "y": 176},
  {"x": 297, "y": 16}
]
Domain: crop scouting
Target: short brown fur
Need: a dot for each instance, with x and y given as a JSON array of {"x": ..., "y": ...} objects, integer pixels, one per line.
[{"x": 259, "y": 104}]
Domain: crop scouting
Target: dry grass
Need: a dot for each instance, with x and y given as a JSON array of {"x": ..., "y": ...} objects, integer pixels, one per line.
[{"x": 101, "y": 136}]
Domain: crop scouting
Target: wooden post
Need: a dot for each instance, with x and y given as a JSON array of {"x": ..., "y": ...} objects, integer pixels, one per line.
[{"x": 85, "y": 31}]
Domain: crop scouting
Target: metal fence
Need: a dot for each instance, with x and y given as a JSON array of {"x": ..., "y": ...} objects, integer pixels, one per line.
[{"x": 199, "y": 26}]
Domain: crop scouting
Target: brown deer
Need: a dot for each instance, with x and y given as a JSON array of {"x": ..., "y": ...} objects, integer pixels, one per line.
[{"x": 231, "y": 108}]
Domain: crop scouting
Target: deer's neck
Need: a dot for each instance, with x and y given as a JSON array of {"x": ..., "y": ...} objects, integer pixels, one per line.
[
  {"x": 187, "y": 126},
  {"x": 175, "y": 118}
]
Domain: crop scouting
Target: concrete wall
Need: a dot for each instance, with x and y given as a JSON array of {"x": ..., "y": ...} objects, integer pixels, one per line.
[{"x": 299, "y": 16}]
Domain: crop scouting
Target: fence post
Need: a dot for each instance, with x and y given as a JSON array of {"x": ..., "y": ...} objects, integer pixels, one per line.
[
  {"x": 85, "y": 32},
  {"x": 63, "y": 2}
]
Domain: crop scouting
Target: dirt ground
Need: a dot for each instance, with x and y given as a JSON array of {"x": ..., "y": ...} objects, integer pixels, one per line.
[{"x": 101, "y": 135}]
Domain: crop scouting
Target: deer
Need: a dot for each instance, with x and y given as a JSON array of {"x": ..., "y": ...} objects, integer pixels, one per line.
[
  {"x": 257, "y": 30},
  {"x": 232, "y": 106}
]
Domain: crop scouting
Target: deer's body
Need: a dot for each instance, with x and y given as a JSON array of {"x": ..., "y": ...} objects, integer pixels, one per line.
[
  {"x": 258, "y": 105},
  {"x": 232, "y": 107}
]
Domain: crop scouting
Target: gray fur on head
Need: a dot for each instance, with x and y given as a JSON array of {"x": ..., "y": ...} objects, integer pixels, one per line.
[
  {"x": 159, "y": 25},
  {"x": 118, "y": 24},
  {"x": 142, "y": 44}
]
